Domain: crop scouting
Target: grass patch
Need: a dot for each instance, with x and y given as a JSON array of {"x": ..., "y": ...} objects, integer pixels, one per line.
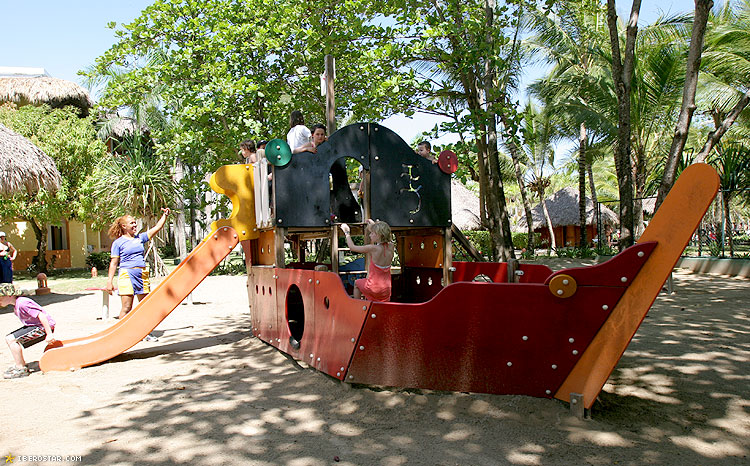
[{"x": 71, "y": 280}]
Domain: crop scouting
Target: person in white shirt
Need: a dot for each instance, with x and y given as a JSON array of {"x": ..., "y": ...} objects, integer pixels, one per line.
[{"x": 299, "y": 136}]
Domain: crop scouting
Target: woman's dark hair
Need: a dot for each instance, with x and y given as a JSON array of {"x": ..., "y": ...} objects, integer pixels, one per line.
[
  {"x": 296, "y": 118},
  {"x": 323, "y": 127},
  {"x": 248, "y": 144}
]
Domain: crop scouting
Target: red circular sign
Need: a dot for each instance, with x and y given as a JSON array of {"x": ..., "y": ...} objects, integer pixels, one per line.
[{"x": 447, "y": 161}]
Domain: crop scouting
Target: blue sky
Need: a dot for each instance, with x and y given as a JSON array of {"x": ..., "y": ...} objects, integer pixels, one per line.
[{"x": 66, "y": 36}]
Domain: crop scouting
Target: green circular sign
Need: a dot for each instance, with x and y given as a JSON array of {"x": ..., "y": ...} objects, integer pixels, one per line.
[{"x": 278, "y": 152}]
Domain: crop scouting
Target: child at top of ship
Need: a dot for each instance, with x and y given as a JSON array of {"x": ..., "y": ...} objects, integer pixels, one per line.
[{"x": 377, "y": 285}]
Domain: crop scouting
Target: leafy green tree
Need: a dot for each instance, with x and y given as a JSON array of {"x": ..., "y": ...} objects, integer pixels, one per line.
[
  {"x": 232, "y": 70},
  {"x": 464, "y": 56},
  {"x": 72, "y": 143},
  {"x": 220, "y": 72}
]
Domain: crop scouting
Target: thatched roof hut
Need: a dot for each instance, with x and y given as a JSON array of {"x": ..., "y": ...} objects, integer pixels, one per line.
[
  {"x": 116, "y": 126},
  {"x": 25, "y": 167},
  {"x": 563, "y": 210},
  {"x": 44, "y": 90},
  {"x": 464, "y": 207}
]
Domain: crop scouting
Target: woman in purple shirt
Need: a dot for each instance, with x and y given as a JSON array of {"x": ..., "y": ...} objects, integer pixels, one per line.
[{"x": 128, "y": 252}]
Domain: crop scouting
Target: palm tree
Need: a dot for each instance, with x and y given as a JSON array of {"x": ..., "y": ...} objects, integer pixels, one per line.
[
  {"x": 539, "y": 137},
  {"x": 136, "y": 181},
  {"x": 580, "y": 89},
  {"x": 732, "y": 162},
  {"x": 569, "y": 40},
  {"x": 725, "y": 70}
]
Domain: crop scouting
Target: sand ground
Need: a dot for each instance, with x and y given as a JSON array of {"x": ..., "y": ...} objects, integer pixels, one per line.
[{"x": 208, "y": 393}]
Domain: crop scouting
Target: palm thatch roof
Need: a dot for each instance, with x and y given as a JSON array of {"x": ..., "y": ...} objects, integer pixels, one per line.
[
  {"x": 44, "y": 90},
  {"x": 116, "y": 126},
  {"x": 25, "y": 167},
  {"x": 563, "y": 210},
  {"x": 464, "y": 207}
]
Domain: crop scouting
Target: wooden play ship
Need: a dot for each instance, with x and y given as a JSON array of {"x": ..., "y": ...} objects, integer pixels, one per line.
[{"x": 539, "y": 333}]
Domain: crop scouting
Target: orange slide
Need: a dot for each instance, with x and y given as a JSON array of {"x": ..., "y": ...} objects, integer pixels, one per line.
[
  {"x": 155, "y": 307},
  {"x": 233, "y": 180}
]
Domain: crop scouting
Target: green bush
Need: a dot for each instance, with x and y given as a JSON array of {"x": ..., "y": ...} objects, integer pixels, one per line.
[
  {"x": 714, "y": 248},
  {"x": 521, "y": 240},
  {"x": 480, "y": 239},
  {"x": 576, "y": 253},
  {"x": 231, "y": 266},
  {"x": 168, "y": 250},
  {"x": 100, "y": 260}
]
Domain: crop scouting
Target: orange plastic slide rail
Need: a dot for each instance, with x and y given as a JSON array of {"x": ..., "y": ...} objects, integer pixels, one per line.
[
  {"x": 672, "y": 227},
  {"x": 155, "y": 307}
]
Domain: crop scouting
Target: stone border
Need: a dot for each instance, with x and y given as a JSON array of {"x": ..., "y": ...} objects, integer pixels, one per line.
[{"x": 716, "y": 266}]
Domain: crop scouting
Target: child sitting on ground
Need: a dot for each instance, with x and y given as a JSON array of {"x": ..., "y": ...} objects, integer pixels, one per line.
[
  {"x": 377, "y": 285},
  {"x": 37, "y": 326}
]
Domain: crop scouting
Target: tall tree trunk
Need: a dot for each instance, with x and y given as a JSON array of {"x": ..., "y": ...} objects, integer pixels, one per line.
[
  {"x": 552, "y": 240},
  {"x": 501, "y": 234},
  {"x": 39, "y": 262},
  {"x": 582, "y": 142},
  {"x": 622, "y": 72},
  {"x": 640, "y": 187},
  {"x": 499, "y": 210},
  {"x": 726, "y": 197},
  {"x": 483, "y": 188},
  {"x": 715, "y": 135},
  {"x": 515, "y": 157},
  {"x": 179, "y": 227},
  {"x": 700, "y": 18}
]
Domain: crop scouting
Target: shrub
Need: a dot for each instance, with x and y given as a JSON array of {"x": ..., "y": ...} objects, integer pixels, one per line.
[
  {"x": 168, "y": 250},
  {"x": 481, "y": 241},
  {"x": 714, "y": 248},
  {"x": 100, "y": 260},
  {"x": 231, "y": 266},
  {"x": 606, "y": 250},
  {"x": 521, "y": 240},
  {"x": 576, "y": 253}
]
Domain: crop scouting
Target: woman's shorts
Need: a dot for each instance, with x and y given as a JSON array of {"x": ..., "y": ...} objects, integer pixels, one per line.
[
  {"x": 133, "y": 282},
  {"x": 29, "y": 335}
]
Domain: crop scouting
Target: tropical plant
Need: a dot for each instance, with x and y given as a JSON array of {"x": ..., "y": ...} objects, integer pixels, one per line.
[
  {"x": 570, "y": 38},
  {"x": 539, "y": 137},
  {"x": 725, "y": 70},
  {"x": 732, "y": 162},
  {"x": 136, "y": 181}
]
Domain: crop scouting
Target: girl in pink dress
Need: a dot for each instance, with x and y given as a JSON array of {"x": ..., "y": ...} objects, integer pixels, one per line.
[{"x": 377, "y": 285}]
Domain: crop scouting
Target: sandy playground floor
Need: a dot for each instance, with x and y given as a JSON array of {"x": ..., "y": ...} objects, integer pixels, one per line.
[{"x": 208, "y": 393}]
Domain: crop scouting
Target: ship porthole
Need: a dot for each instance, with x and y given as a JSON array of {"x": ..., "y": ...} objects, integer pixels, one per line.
[{"x": 295, "y": 312}]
